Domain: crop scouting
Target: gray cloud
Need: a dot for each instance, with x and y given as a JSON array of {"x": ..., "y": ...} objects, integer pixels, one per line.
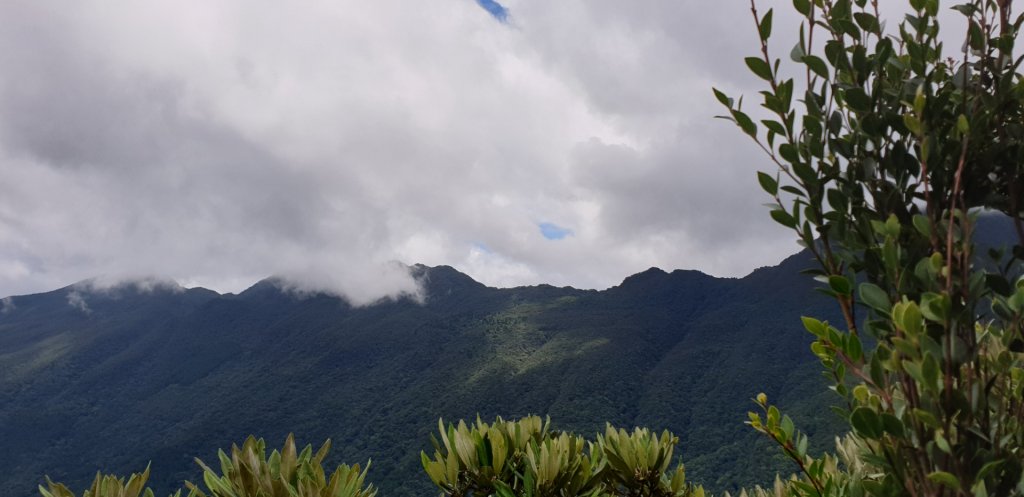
[{"x": 219, "y": 143}]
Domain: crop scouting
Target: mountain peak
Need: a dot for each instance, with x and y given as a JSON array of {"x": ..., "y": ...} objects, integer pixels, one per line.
[
  {"x": 658, "y": 276},
  {"x": 268, "y": 285},
  {"x": 443, "y": 278},
  {"x": 649, "y": 275}
]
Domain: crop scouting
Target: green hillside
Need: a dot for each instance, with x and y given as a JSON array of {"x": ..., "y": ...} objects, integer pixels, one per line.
[{"x": 173, "y": 374}]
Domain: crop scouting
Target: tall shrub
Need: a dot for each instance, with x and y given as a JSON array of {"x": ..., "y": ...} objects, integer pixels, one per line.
[{"x": 887, "y": 146}]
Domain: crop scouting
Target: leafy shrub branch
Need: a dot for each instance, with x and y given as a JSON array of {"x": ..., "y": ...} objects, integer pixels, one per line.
[{"x": 886, "y": 152}]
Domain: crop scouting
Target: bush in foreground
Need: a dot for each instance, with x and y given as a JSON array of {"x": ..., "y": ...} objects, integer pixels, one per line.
[
  {"x": 519, "y": 458},
  {"x": 886, "y": 151},
  {"x": 525, "y": 458}
]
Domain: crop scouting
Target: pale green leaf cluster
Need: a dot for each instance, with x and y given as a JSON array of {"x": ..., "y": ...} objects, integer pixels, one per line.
[
  {"x": 638, "y": 462},
  {"x": 524, "y": 458},
  {"x": 506, "y": 458},
  {"x": 249, "y": 472},
  {"x": 105, "y": 486}
]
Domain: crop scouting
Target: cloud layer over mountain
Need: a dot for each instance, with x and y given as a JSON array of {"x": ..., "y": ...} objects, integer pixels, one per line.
[{"x": 216, "y": 143}]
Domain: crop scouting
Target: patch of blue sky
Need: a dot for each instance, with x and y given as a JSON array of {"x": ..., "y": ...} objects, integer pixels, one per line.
[
  {"x": 497, "y": 10},
  {"x": 552, "y": 231}
]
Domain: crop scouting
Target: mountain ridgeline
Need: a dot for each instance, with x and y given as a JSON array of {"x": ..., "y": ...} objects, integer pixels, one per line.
[{"x": 112, "y": 380}]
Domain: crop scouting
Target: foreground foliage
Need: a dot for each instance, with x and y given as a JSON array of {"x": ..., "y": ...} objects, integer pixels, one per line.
[
  {"x": 249, "y": 472},
  {"x": 519, "y": 458},
  {"x": 105, "y": 486},
  {"x": 887, "y": 153},
  {"x": 525, "y": 458}
]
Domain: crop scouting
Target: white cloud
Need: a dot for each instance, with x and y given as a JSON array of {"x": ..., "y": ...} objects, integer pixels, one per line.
[
  {"x": 217, "y": 143},
  {"x": 76, "y": 300}
]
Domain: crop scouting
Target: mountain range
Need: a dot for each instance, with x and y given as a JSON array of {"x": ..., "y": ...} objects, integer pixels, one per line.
[{"x": 117, "y": 378}]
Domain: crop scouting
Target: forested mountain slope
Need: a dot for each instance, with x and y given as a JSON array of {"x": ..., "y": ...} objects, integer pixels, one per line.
[{"x": 114, "y": 379}]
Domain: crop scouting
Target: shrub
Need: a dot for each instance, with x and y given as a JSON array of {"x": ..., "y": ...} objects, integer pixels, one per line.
[
  {"x": 248, "y": 472},
  {"x": 885, "y": 157},
  {"x": 525, "y": 458},
  {"x": 105, "y": 486}
]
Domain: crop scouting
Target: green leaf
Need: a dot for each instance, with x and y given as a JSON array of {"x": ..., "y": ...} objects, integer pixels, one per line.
[
  {"x": 787, "y": 427},
  {"x": 759, "y": 67},
  {"x": 875, "y": 297},
  {"x": 816, "y": 65},
  {"x": 930, "y": 372},
  {"x": 802, "y": 6},
  {"x": 866, "y": 422},
  {"x": 892, "y": 226},
  {"x": 745, "y": 123},
  {"x": 840, "y": 284},
  {"x": 784, "y": 218},
  {"x": 867, "y": 22},
  {"x": 805, "y": 172},
  {"x": 962, "y": 125},
  {"x": 965, "y": 9},
  {"x": 503, "y": 490},
  {"x": 920, "y": 100},
  {"x": 768, "y": 183},
  {"x": 989, "y": 467},
  {"x": 792, "y": 190},
  {"x": 892, "y": 425},
  {"x": 765, "y": 28},
  {"x": 944, "y": 478},
  {"x": 998, "y": 284},
  {"x": 923, "y": 225},
  {"x": 854, "y": 349},
  {"x": 942, "y": 443},
  {"x": 816, "y": 327},
  {"x": 837, "y": 200},
  {"x": 857, "y": 99},
  {"x": 936, "y": 307},
  {"x": 913, "y": 124},
  {"x": 722, "y": 97},
  {"x": 789, "y": 153},
  {"x": 774, "y": 126},
  {"x": 909, "y": 317},
  {"x": 797, "y": 53}
]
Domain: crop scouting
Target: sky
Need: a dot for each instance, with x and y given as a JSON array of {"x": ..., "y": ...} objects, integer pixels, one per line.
[{"x": 334, "y": 142}]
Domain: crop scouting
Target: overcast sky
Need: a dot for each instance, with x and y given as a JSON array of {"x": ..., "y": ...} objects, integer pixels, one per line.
[{"x": 568, "y": 142}]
